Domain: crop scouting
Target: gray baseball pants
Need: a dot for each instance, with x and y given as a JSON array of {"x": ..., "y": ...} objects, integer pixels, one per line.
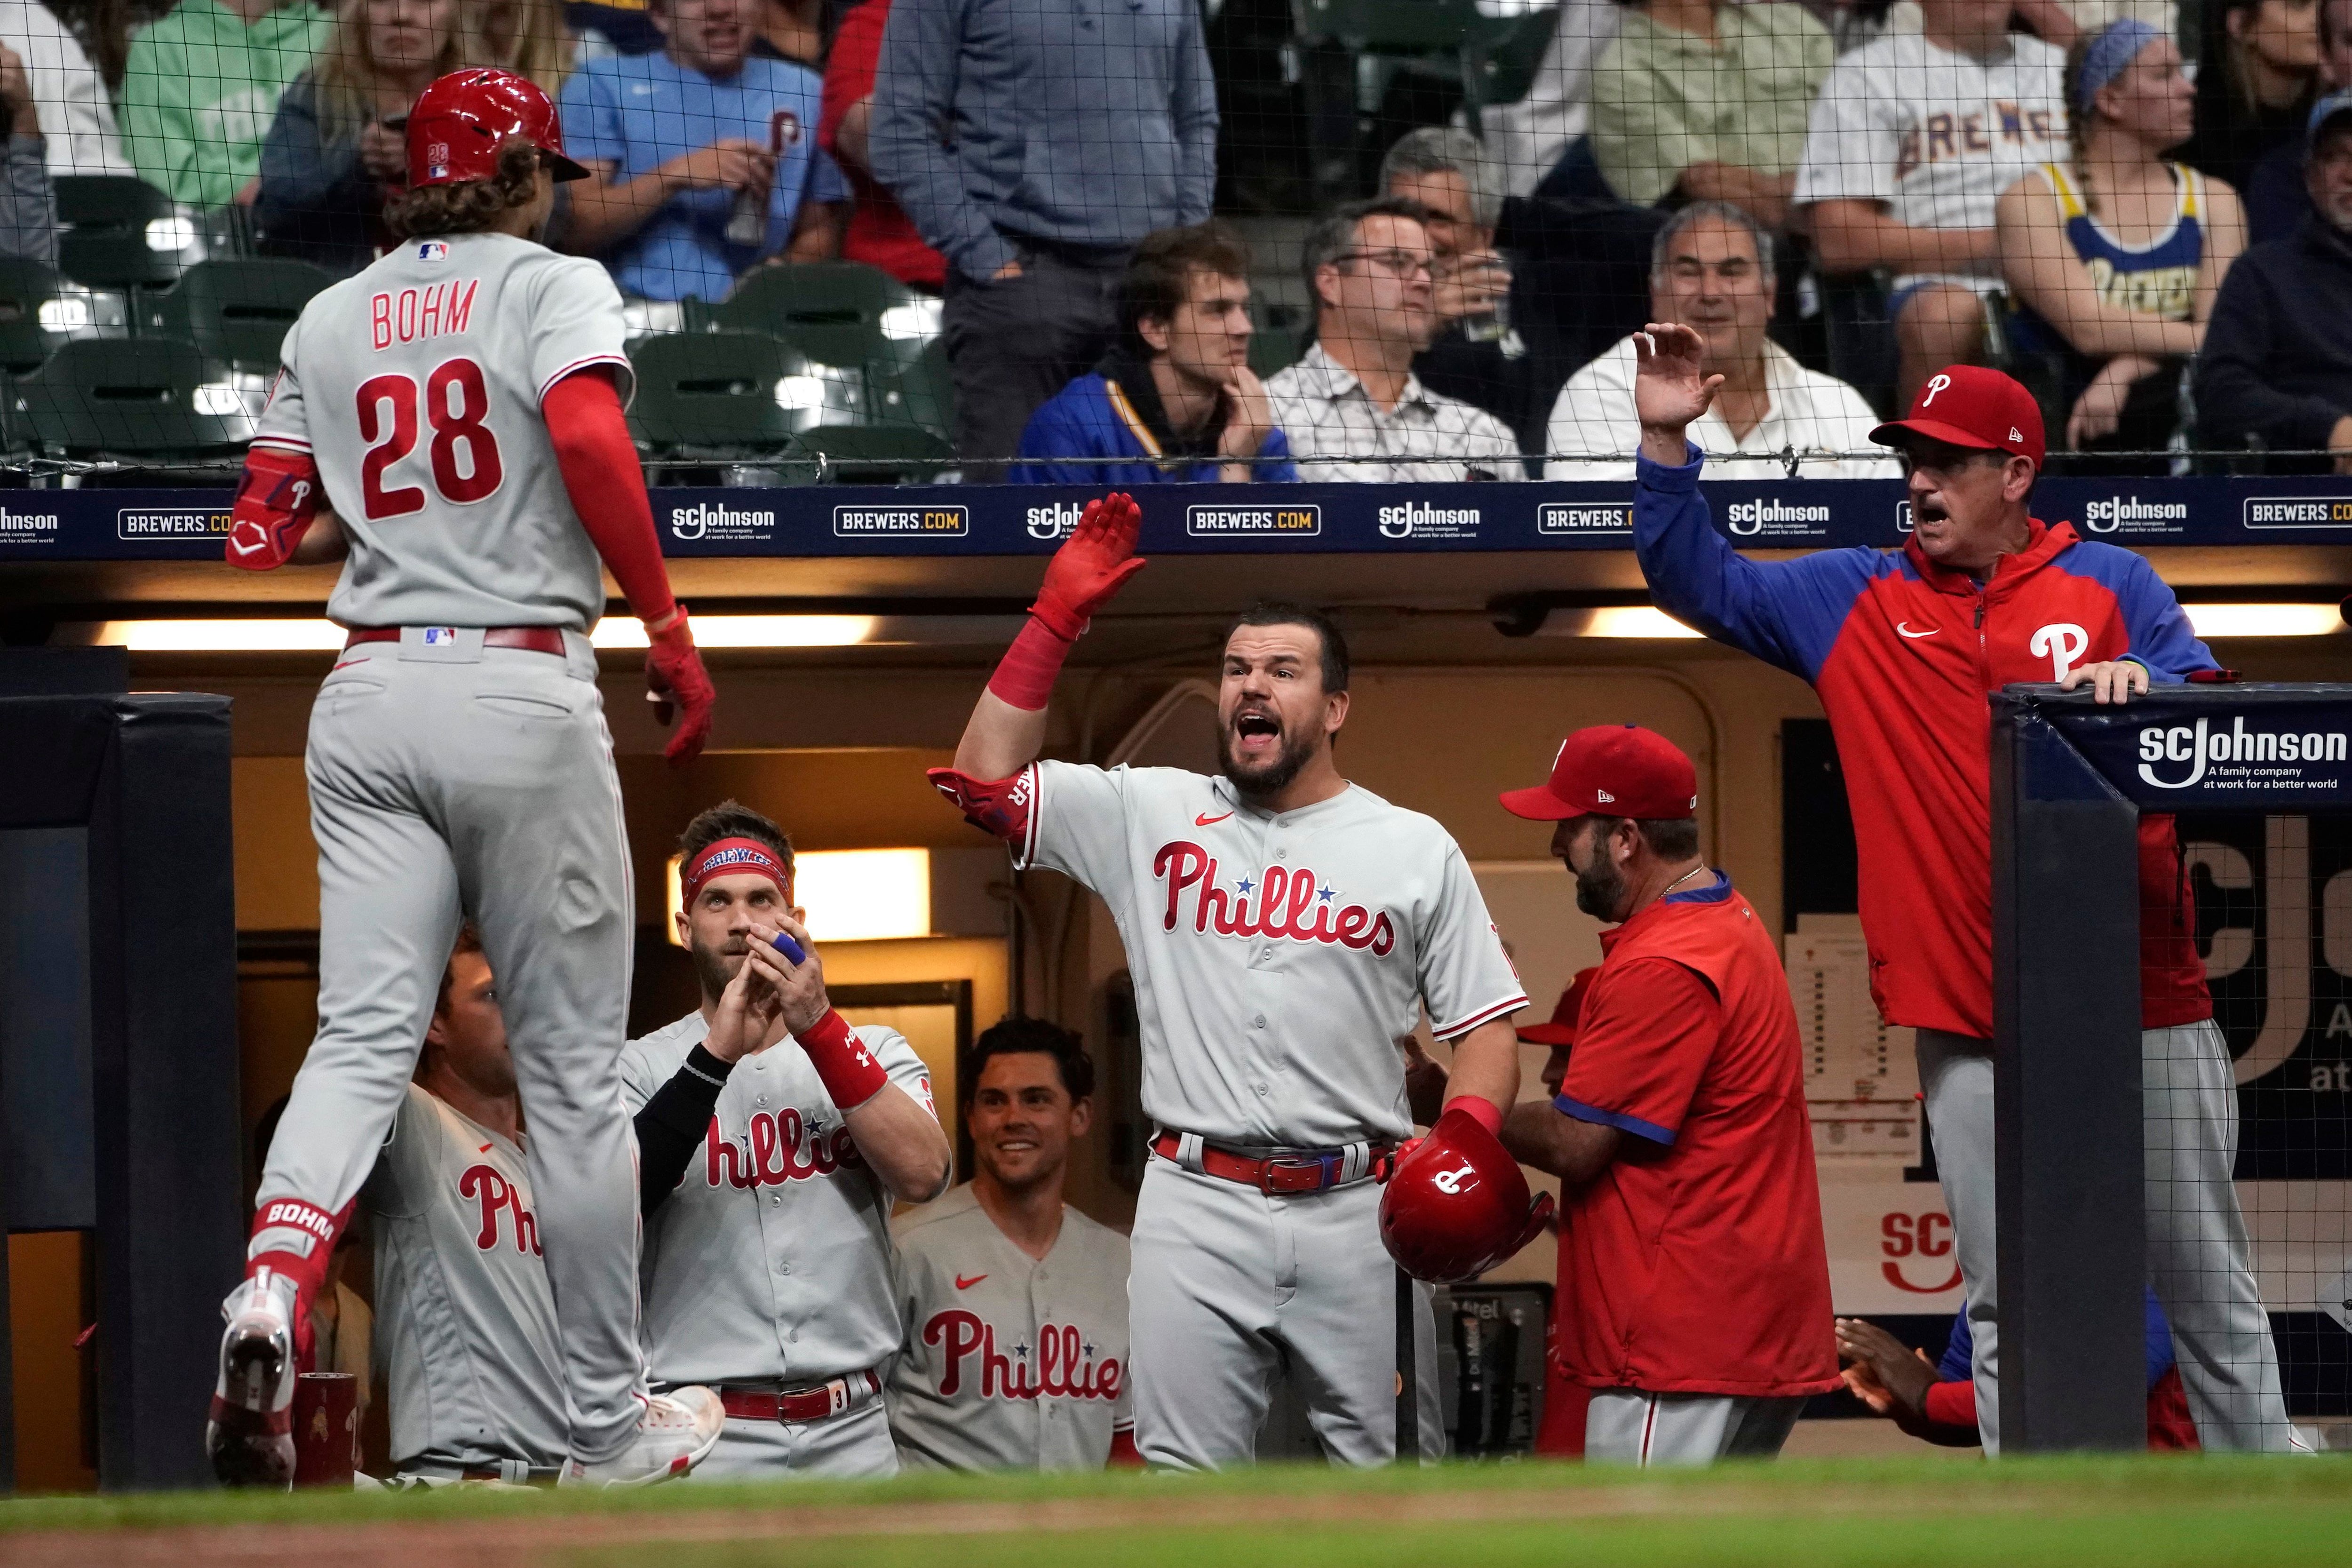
[
  {"x": 853, "y": 1445},
  {"x": 460, "y": 780},
  {"x": 2199, "y": 1258},
  {"x": 1631, "y": 1426},
  {"x": 1228, "y": 1285}
]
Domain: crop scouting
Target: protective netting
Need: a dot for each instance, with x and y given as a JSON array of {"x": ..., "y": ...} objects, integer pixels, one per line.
[{"x": 920, "y": 238}]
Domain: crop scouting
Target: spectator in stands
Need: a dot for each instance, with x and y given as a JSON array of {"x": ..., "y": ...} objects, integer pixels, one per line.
[
  {"x": 880, "y": 233},
  {"x": 1478, "y": 356},
  {"x": 2114, "y": 254},
  {"x": 612, "y": 27},
  {"x": 529, "y": 38},
  {"x": 2256, "y": 78},
  {"x": 1712, "y": 270},
  {"x": 2276, "y": 200},
  {"x": 28, "y": 206},
  {"x": 1704, "y": 100},
  {"x": 1937, "y": 1401},
  {"x": 1034, "y": 147},
  {"x": 76, "y": 119},
  {"x": 1530, "y": 137},
  {"x": 1175, "y": 398},
  {"x": 703, "y": 158},
  {"x": 1911, "y": 142},
  {"x": 339, "y": 146},
  {"x": 201, "y": 87},
  {"x": 794, "y": 30},
  {"x": 1352, "y": 409},
  {"x": 2277, "y": 367}
]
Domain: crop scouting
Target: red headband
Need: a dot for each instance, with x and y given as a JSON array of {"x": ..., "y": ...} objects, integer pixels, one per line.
[{"x": 730, "y": 857}]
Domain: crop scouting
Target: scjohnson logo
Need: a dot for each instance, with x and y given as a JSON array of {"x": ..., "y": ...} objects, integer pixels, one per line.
[
  {"x": 705, "y": 520},
  {"x": 2131, "y": 512},
  {"x": 1426, "y": 521},
  {"x": 2188, "y": 748},
  {"x": 1052, "y": 521},
  {"x": 1750, "y": 518}
]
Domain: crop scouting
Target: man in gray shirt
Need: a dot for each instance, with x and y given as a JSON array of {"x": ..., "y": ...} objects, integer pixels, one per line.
[
  {"x": 28, "y": 207},
  {"x": 1033, "y": 142}
]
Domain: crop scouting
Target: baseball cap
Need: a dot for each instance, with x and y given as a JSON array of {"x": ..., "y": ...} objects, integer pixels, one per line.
[
  {"x": 2324, "y": 113},
  {"x": 1970, "y": 405},
  {"x": 1561, "y": 1030},
  {"x": 1611, "y": 770}
]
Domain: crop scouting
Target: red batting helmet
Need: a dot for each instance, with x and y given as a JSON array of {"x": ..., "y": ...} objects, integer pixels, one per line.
[
  {"x": 1457, "y": 1204},
  {"x": 458, "y": 124}
]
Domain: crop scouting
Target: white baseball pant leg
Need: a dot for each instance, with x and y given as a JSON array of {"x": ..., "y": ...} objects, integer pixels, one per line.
[
  {"x": 481, "y": 779},
  {"x": 1227, "y": 1283},
  {"x": 1956, "y": 1074},
  {"x": 854, "y": 1446},
  {"x": 1630, "y": 1426},
  {"x": 2198, "y": 1254}
]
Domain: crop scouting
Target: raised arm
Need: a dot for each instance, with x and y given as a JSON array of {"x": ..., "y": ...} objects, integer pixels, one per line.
[{"x": 1007, "y": 728}]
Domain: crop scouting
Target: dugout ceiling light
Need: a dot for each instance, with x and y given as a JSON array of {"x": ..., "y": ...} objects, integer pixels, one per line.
[
  {"x": 1633, "y": 622},
  {"x": 257, "y": 633},
  {"x": 851, "y": 895},
  {"x": 2265, "y": 620}
]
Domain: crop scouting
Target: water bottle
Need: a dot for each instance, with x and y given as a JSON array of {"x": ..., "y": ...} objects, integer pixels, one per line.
[{"x": 747, "y": 224}]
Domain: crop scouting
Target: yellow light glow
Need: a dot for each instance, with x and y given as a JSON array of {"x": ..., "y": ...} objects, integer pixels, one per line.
[
  {"x": 746, "y": 631},
  {"x": 2265, "y": 620},
  {"x": 264, "y": 635},
  {"x": 1632, "y": 621},
  {"x": 851, "y": 895}
]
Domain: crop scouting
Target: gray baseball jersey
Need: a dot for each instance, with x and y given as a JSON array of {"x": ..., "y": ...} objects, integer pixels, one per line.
[
  {"x": 1011, "y": 1362},
  {"x": 415, "y": 387},
  {"x": 465, "y": 1323},
  {"x": 1277, "y": 959},
  {"x": 773, "y": 1258}
]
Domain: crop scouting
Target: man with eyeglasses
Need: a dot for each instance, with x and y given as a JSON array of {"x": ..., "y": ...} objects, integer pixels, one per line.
[
  {"x": 1904, "y": 646},
  {"x": 2277, "y": 368},
  {"x": 1352, "y": 406}
]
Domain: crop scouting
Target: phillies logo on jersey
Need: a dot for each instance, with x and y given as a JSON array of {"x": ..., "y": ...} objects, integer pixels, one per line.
[
  {"x": 495, "y": 1197},
  {"x": 777, "y": 1147},
  {"x": 1063, "y": 1367},
  {"x": 1291, "y": 902}
]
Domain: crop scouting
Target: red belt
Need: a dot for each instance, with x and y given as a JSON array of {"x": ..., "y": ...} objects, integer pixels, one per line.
[
  {"x": 835, "y": 1398},
  {"x": 1301, "y": 1172},
  {"x": 531, "y": 639}
]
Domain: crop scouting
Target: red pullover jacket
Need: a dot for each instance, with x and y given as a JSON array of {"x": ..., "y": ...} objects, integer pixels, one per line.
[{"x": 1903, "y": 656}]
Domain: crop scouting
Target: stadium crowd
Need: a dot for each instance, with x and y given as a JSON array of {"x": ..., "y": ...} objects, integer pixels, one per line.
[{"x": 2062, "y": 188}]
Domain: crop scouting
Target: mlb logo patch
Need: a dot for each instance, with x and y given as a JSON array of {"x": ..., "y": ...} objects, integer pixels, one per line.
[
  {"x": 432, "y": 250},
  {"x": 439, "y": 636}
]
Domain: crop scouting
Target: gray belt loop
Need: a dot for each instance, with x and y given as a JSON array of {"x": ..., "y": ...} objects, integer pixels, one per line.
[{"x": 1188, "y": 1153}]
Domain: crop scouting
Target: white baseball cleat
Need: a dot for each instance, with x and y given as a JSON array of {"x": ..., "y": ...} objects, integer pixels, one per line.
[
  {"x": 677, "y": 1433},
  {"x": 250, "y": 1435}
]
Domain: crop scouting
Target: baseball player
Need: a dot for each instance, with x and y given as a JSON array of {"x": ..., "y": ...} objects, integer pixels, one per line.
[
  {"x": 1015, "y": 1303},
  {"x": 1678, "y": 1132},
  {"x": 774, "y": 1138},
  {"x": 1283, "y": 928},
  {"x": 449, "y": 423},
  {"x": 1904, "y": 648},
  {"x": 463, "y": 1311}
]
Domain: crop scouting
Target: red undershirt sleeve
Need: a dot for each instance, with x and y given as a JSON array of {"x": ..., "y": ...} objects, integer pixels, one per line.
[{"x": 607, "y": 488}]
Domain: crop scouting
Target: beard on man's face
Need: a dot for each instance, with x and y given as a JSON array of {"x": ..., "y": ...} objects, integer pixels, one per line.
[
  {"x": 1273, "y": 774},
  {"x": 1599, "y": 886},
  {"x": 714, "y": 967}
]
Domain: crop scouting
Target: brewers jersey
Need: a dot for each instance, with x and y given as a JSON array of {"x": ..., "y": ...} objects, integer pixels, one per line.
[
  {"x": 1278, "y": 959},
  {"x": 465, "y": 1322},
  {"x": 1011, "y": 1362},
  {"x": 771, "y": 1260},
  {"x": 416, "y": 387}
]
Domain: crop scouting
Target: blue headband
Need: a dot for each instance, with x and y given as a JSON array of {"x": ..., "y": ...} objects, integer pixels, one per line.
[{"x": 2117, "y": 45}]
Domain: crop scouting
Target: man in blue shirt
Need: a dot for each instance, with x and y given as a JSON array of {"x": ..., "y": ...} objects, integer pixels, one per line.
[
  {"x": 1175, "y": 398},
  {"x": 683, "y": 145},
  {"x": 1034, "y": 143}
]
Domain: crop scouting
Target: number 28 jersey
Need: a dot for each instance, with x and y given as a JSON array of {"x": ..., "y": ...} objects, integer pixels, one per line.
[{"x": 416, "y": 387}]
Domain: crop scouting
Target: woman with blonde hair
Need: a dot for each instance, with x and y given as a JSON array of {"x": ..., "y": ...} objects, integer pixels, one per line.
[
  {"x": 336, "y": 150},
  {"x": 2114, "y": 255},
  {"x": 529, "y": 38}
]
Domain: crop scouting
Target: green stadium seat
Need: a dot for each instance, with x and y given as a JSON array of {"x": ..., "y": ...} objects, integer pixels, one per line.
[
  {"x": 922, "y": 394},
  {"x": 878, "y": 454},
  {"x": 25, "y": 287},
  {"x": 714, "y": 396},
  {"x": 237, "y": 310},
  {"x": 1500, "y": 58},
  {"x": 119, "y": 232},
  {"x": 121, "y": 399},
  {"x": 836, "y": 312}
]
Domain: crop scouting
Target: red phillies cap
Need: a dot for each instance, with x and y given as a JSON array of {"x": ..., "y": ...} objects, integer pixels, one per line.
[
  {"x": 1970, "y": 405},
  {"x": 1611, "y": 770},
  {"x": 1561, "y": 1030}
]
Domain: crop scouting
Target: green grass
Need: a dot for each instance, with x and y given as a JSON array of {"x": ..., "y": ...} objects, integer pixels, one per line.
[{"x": 2146, "y": 1512}]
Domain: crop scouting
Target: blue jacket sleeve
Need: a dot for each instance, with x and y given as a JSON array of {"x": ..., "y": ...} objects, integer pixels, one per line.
[
  {"x": 2161, "y": 636},
  {"x": 1273, "y": 465},
  {"x": 1957, "y": 1363},
  {"x": 1785, "y": 613},
  {"x": 1055, "y": 430}
]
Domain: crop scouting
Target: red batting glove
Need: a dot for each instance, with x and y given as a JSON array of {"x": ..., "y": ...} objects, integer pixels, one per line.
[
  {"x": 675, "y": 677},
  {"x": 1090, "y": 567}
]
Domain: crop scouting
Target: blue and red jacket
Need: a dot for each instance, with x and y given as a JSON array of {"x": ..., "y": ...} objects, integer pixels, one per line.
[{"x": 1903, "y": 656}]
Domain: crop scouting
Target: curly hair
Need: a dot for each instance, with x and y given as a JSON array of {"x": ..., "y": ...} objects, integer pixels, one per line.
[{"x": 469, "y": 206}]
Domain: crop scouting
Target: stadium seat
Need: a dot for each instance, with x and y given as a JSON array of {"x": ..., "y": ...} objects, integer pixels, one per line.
[
  {"x": 716, "y": 396},
  {"x": 922, "y": 394},
  {"x": 1500, "y": 58},
  {"x": 1862, "y": 337},
  {"x": 121, "y": 233},
  {"x": 236, "y": 311},
  {"x": 877, "y": 454},
  {"x": 119, "y": 399},
  {"x": 836, "y": 312},
  {"x": 25, "y": 287}
]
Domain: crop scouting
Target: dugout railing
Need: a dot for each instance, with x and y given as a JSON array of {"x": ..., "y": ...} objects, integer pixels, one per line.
[{"x": 2070, "y": 781}]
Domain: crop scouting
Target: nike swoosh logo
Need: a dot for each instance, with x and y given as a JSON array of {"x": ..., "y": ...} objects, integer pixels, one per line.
[
  {"x": 1904, "y": 628},
  {"x": 1205, "y": 820},
  {"x": 965, "y": 1284}
]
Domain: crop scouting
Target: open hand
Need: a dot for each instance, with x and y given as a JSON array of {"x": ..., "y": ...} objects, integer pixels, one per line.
[
  {"x": 799, "y": 987},
  {"x": 1092, "y": 564},
  {"x": 1670, "y": 387},
  {"x": 747, "y": 1010}
]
